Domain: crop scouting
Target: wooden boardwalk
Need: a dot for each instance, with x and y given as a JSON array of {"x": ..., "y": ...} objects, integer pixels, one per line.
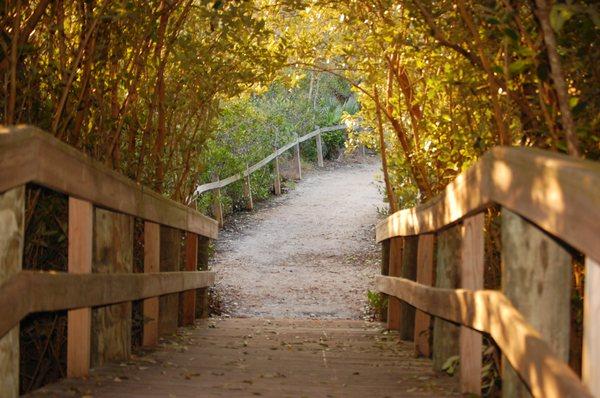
[{"x": 268, "y": 358}]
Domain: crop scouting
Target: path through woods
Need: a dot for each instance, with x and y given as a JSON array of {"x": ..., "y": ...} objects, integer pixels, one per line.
[{"x": 308, "y": 253}]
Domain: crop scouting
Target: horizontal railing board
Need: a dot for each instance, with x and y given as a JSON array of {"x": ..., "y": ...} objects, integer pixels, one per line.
[
  {"x": 29, "y": 155},
  {"x": 31, "y": 291},
  {"x": 236, "y": 177},
  {"x": 559, "y": 193},
  {"x": 491, "y": 312}
]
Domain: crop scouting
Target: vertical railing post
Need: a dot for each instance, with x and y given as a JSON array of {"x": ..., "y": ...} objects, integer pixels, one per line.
[
  {"x": 297, "y": 159},
  {"x": 217, "y": 206},
  {"x": 536, "y": 278},
  {"x": 472, "y": 267},
  {"x": 151, "y": 265},
  {"x": 277, "y": 181},
  {"x": 385, "y": 271},
  {"x": 425, "y": 274},
  {"x": 396, "y": 245},
  {"x": 79, "y": 321},
  {"x": 202, "y": 294},
  {"x": 408, "y": 271},
  {"x": 248, "y": 191},
  {"x": 188, "y": 297},
  {"x": 12, "y": 220},
  {"x": 446, "y": 334},
  {"x": 170, "y": 252},
  {"x": 113, "y": 253},
  {"x": 590, "y": 367},
  {"x": 319, "y": 149}
]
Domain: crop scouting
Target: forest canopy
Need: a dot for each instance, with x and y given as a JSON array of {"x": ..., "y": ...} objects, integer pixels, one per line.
[{"x": 165, "y": 90}]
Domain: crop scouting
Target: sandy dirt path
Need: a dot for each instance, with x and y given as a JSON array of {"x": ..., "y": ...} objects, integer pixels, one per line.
[{"x": 308, "y": 253}]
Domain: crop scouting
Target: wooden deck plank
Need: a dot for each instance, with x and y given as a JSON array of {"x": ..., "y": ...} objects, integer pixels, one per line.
[{"x": 268, "y": 358}]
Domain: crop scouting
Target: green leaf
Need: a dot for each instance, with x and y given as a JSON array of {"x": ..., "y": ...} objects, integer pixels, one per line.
[
  {"x": 519, "y": 66},
  {"x": 559, "y": 15}
]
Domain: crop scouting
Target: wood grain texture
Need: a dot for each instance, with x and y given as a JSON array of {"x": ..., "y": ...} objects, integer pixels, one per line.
[
  {"x": 188, "y": 298},
  {"x": 547, "y": 375},
  {"x": 591, "y": 327},
  {"x": 385, "y": 271},
  {"x": 170, "y": 261},
  {"x": 536, "y": 278},
  {"x": 425, "y": 276},
  {"x": 28, "y": 154},
  {"x": 394, "y": 269},
  {"x": 12, "y": 221},
  {"x": 270, "y": 358},
  {"x": 408, "y": 271},
  {"x": 29, "y": 291},
  {"x": 319, "y": 144},
  {"x": 151, "y": 265},
  {"x": 113, "y": 253},
  {"x": 472, "y": 268},
  {"x": 446, "y": 335},
  {"x": 202, "y": 310},
  {"x": 558, "y": 193},
  {"x": 79, "y": 320}
]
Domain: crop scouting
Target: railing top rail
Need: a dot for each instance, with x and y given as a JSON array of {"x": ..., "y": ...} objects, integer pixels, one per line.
[
  {"x": 491, "y": 312},
  {"x": 30, "y": 155},
  {"x": 557, "y": 192},
  {"x": 236, "y": 177}
]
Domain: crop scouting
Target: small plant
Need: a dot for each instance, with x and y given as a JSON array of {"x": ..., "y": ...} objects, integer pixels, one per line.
[{"x": 376, "y": 302}]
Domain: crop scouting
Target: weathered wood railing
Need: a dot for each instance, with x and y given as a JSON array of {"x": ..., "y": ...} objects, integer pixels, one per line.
[
  {"x": 217, "y": 184},
  {"x": 102, "y": 205},
  {"x": 548, "y": 201}
]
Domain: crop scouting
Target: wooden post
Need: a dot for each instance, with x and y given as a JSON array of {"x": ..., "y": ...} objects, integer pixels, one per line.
[
  {"x": 202, "y": 294},
  {"x": 297, "y": 160},
  {"x": 277, "y": 182},
  {"x": 79, "y": 321},
  {"x": 591, "y": 327},
  {"x": 113, "y": 253},
  {"x": 319, "y": 150},
  {"x": 446, "y": 334},
  {"x": 395, "y": 269},
  {"x": 188, "y": 298},
  {"x": 170, "y": 252},
  {"x": 12, "y": 221},
  {"x": 151, "y": 265},
  {"x": 217, "y": 206},
  {"x": 248, "y": 193},
  {"x": 425, "y": 274},
  {"x": 536, "y": 278},
  {"x": 472, "y": 267},
  {"x": 408, "y": 271},
  {"x": 385, "y": 270}
]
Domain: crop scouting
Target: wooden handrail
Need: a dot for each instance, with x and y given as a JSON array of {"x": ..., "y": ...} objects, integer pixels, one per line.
[
  {"x": 557, "y": 192},
  {"x": 491, "y": 312},
  {"x": 32, "y": 291},
  {"x": 29, "y": 155},
  {"x": 236, "y": 177}
]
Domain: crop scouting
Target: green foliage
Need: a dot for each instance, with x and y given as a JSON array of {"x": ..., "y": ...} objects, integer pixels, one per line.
[{"x": 251, "y": 126}]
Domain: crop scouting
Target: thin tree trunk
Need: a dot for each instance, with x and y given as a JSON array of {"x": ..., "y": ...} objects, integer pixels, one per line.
[
  {"x": 384, "y": 165},
  {"x": 543, "y": 14},
  {"x": 14, "y": 58}
]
